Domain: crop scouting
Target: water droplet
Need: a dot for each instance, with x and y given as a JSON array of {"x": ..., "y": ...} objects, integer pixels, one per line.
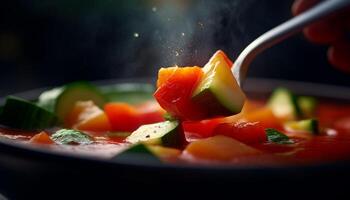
[
  {"x": 183, "y": 34},
  {"x": 154, "y": 9},
  {"x": 136, "y": 35}
]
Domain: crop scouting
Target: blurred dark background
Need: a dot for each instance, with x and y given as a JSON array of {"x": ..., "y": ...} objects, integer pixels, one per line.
[{"x": 51, "y": 42}]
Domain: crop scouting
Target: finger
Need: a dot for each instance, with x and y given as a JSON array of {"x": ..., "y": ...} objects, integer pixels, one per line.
[
  {"x": 300, "y": 6},
  {"x": 339, "y": 55},
  {"x": 324, "y": 32}
]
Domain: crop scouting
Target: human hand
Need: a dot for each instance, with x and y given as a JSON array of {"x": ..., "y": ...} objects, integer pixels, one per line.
[{"x": 333, "y": 31}]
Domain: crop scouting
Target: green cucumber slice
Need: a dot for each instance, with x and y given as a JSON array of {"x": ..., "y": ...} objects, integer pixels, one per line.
[
  {"x": 68, "y": 136},
  {"x": 22, "y": 114},
  {"x": 218, "y": 90},
  {"x": 132, "y": 93},
  {"x": 307, "y": 106},
  {"x": 284, "y": 104},
  {"x": 166, "y": 133},
  {"x": 307, "y": 125},
  {"x": 140, "y": 150},
  {"x": 62, "y": 100}
]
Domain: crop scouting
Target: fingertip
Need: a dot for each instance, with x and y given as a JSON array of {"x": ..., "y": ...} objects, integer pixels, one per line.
[
  {"x": 324, "y": 32},
  {"x": 339, "y": 56},
  {"x": 296, "y": 7},
  {"x": 300, "y": 6}
]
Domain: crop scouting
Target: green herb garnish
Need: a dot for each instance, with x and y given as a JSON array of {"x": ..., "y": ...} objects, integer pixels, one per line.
[
  {"x": 277, "y": 137},
  {"x": 68, "y": 136}
]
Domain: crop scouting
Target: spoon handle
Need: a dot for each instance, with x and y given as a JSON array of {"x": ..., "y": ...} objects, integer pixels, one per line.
[{"x": 282, "y": 32}]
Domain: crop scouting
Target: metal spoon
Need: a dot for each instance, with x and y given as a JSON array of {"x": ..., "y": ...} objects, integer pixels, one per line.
[{"x": 282, "y": 32}]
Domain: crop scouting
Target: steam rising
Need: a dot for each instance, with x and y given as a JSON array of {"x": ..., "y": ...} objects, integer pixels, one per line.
[
  {"x": 184, "y": 33},
  {"x": 190, "y": 33},
  {"x": 53, "y": 42}
]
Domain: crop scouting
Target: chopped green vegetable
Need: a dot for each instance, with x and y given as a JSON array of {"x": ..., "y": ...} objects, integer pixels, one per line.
[
  {"x": 62, "y": 100},
  {"x": 140, "y": 150},
  {"x": 132, "y": 93},
  {"x": 22, "y": 114},
  {"x": 284, "y": 104},
  {"x": 218, "y": 91},
  {"x": 166, "y": 133},
  {"x": 307, "y": 106},
  {"x": 307, "y": 125},
  {"x": 277, "y": 137},
  {"x": 68, "y": 136}
]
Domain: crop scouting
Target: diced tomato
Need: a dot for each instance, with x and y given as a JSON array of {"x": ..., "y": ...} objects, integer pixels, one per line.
[
  {"x": 174, "y": 95},
  {"x": 122, "y": 116},
  {"x": 150, "y": 112},
  {"x": 126, "y": 117},
  {"x": 176, "y": 86},
  {"x": 246, "y": 132},
  {"x": 247, "y": 126},
  {"x": 41, "y": 138},
  {"x": 220, "y": 148},
  {"x": 200, "y": 129},
  {"x": 164, "y": 74}
]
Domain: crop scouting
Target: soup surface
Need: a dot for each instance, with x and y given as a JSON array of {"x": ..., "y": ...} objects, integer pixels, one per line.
[
  {"x": 193, "y": 116},
  {"x": 215, "y": 141}
]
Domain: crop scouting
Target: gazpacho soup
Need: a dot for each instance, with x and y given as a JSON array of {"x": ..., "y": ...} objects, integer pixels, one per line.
[{"x": 192, "y": 116}]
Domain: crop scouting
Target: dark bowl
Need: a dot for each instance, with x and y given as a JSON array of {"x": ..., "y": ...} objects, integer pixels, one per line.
[{"x": 31, "y": 172}]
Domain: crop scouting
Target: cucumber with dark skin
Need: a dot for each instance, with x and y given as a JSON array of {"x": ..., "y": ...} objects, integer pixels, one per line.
[
  {"x": 306, "y": 125},
  {"x": 61, "y": 100},
  {"x": 218, "y": 91},
  {"x": 283, "y": 104},
  {"x": 132, "y": 93},
  {"x": 307, "y": 106},
  {"x": 21, "y": 114},
  {"x": 168, "y": 134},
  {"x": 291, "y": 107},
  {"x": 139, "y": 151}
]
